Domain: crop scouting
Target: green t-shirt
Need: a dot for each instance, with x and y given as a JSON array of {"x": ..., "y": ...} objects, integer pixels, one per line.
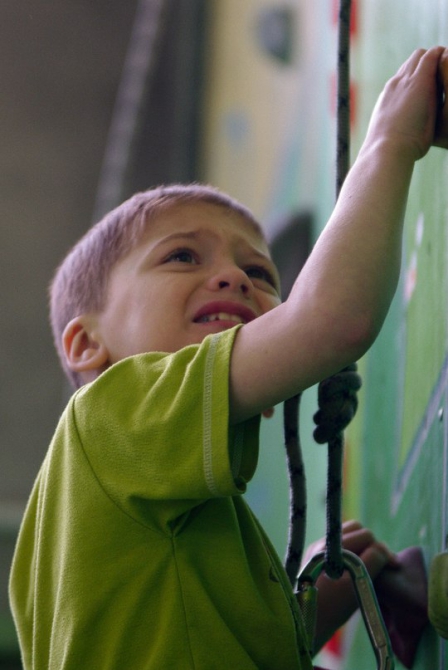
[{"x": 137, "y": 549}]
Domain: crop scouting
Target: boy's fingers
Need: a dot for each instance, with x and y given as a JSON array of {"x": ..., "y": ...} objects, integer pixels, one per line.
[
  {"x": 411, "y": 64},
  {"x": 377, "y": 557},
  {"x": 351, "y": 525},
  {"x": 361, "y": 541},
  {"x": 375, "y": 560},
  {"x": 357, "y": 540},
  {"x": 421, "y": 58}
]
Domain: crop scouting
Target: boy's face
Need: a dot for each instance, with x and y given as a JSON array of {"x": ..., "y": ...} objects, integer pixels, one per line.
[{"x": 199, "y": 269}]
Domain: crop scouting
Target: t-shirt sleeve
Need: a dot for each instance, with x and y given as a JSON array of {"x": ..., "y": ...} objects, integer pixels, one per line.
[{"x": 154, "y": 429}]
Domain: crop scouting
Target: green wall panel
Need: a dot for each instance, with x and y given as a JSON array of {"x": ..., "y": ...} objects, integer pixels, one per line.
[{"x": 400, "y": 472}]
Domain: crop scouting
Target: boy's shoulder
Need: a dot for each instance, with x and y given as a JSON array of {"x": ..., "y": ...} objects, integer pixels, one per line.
[{"x": 155, "y": 365}]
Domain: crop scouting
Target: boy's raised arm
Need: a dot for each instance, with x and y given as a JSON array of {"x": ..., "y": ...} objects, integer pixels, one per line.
[{"x": 338, "y": 304}]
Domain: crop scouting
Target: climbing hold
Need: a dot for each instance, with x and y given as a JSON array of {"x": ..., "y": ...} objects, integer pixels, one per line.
[
  {"x": 276, "y": 33},
  {"x": 402, "y": 596}
]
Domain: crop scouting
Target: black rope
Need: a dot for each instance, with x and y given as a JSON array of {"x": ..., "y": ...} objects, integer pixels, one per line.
[
  {"x": 334, "y": 566},
  {"x": 297, "y": 484},
  {"x": 338, "y": 402},
  {"x": 337, "y": 395},
  {"x": 343, "y": 95}
]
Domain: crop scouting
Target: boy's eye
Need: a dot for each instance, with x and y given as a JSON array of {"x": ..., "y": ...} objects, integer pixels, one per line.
[
  {"x": 181, "y": 256},
  {"x": 259, "y": 272}
]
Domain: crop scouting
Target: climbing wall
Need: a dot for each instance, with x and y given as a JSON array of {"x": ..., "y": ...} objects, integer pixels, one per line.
[
  {"x": 397, "y": 482},
  {"x": 270, "y": 141}
]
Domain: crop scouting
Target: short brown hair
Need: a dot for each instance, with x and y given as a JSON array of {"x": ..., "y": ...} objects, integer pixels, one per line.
[{"x": 80, "y": 283}]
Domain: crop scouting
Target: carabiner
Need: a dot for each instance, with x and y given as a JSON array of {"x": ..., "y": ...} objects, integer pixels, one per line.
[{"x": 367, "y": 600}]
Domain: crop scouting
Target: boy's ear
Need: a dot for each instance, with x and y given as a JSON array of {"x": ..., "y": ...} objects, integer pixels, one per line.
[{"x": 84, "y": 351}]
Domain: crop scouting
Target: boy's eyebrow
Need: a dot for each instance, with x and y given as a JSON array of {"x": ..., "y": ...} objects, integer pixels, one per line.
[
  {"x": 194, "y": 234},
  {"x": 191, "y": 235},
  {"x": 178, "y": 235}
]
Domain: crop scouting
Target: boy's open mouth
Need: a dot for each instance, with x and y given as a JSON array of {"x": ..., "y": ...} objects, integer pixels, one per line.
[
  {"x": 224, "y": 311},
  {"x": 221, "y": 316}
]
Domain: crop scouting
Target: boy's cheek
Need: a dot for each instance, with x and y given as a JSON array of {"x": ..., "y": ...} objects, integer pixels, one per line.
[{"x": 273, "y": 302}]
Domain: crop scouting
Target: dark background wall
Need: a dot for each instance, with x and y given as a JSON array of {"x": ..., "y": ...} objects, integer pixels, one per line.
[{"x": 62, "y": 64}]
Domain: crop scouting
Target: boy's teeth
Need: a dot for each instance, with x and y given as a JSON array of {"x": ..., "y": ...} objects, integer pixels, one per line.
[{"x": 222, "y": 316}]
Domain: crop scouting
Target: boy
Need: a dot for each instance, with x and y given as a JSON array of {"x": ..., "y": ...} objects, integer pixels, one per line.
[{"x": 137, "y": 549}]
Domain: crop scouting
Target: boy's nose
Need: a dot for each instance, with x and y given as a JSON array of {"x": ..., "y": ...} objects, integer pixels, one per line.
[
  {"x": 232, "y": 278},
  {"x": 225, "y": 284}
]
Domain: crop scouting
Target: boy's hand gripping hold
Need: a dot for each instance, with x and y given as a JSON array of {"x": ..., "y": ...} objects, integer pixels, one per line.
[{"x": 411, "y": 110}]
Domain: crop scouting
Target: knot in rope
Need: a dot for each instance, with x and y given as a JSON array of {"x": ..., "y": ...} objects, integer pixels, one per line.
[{"x": 338, "y": 402}]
